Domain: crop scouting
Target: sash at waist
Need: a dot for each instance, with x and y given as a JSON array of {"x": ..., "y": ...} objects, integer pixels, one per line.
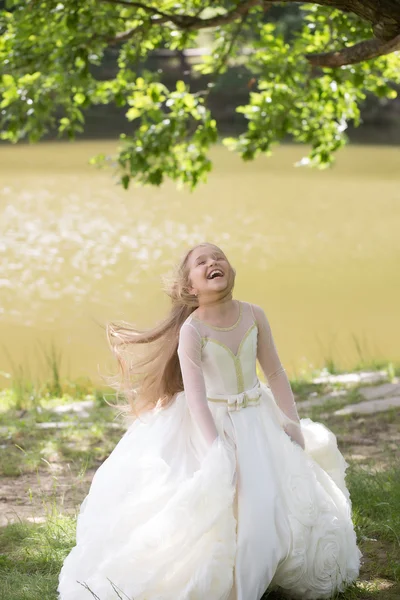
[{"x": 238, "y": 401}]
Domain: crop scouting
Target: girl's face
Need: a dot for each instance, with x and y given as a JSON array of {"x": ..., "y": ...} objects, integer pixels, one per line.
[{"x": 209, "y": 270}]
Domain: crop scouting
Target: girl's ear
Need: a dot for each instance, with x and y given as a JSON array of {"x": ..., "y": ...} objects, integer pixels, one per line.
[{"x": 192, "y": 291}]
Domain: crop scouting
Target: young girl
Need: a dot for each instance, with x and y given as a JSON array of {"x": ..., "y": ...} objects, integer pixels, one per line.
[{"x": 217, "y": 490}]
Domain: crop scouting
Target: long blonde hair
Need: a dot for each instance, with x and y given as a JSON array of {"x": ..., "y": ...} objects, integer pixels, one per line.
[{"x": 155, "y": 377}]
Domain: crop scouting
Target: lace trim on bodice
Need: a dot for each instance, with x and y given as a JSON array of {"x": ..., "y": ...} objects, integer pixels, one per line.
[{"x": 235, "y": 356}]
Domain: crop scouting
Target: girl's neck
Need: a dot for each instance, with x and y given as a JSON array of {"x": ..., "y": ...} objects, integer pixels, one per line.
[{"x": 217, "y": 312}]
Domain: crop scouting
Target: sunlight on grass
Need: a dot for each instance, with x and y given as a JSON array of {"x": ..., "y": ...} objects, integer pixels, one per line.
[
  {"x": 46, "y": 433},
  {"x": 32, "y": 555}
]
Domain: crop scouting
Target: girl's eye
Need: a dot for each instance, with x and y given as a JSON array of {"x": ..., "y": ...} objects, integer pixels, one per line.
[{"x": 201, "y": 262}]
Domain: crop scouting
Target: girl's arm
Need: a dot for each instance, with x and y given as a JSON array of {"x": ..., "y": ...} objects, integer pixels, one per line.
[
  {"x": 276, "y": 375},
  {"x": 189, "y": 353}
]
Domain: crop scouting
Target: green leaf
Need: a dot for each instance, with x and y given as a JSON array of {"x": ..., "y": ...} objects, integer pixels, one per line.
[
  {"x": 79, "y": 98},
  {"x": 125, "y": 179},
  {"x": 64, "y": 124},
  {"x": 8, "y": 80},
  {"x": 133, "y": 113}
]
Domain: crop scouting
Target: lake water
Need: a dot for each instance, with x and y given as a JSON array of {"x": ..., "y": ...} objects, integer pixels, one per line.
[{"x": 320, "y": 251}]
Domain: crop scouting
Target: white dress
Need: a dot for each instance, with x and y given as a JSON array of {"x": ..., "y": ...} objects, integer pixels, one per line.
[{"x": 161, "y": 520}]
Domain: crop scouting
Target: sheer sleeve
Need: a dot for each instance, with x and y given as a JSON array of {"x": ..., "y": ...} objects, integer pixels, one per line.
[
  {"x": 189, "y": 353},
  {"x": 276, "y": 375}
]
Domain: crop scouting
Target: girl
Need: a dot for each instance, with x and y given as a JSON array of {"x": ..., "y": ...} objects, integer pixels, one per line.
[{"x": 217, "y": 490}]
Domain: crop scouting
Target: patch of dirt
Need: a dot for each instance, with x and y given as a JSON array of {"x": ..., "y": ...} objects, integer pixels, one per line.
[
  {"x": 368, "y": 440},
  {"x": 31, "y": 496}
]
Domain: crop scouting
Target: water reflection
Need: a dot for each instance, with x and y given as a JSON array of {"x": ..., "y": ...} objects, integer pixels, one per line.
[
  {"x": 57, "y": 247},
  {"x": 319, "y": 251}
]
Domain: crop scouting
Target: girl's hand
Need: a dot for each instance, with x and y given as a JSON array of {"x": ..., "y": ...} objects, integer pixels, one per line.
[{"x": 293, "y": 430}]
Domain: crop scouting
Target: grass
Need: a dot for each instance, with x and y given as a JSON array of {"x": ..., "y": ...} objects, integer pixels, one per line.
[
  {"x": 25, "y": 392},
  {"x": 51, "y": 461},
  {"x": 365, "y": 360},
  {"x": 31, "y": 556},
  {"x": 82, "y": 441}
]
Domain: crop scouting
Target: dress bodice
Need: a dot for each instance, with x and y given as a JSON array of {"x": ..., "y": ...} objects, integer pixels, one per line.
[
  {"x": 228, "y": 372},
  {"x": 228, "y": 360},
  {"x": 218, "y": 366},
  {"x": 229, "y": 355}
]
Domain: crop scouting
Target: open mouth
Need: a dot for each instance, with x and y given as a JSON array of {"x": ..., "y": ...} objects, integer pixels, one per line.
[{"x": 215, "y": 273}]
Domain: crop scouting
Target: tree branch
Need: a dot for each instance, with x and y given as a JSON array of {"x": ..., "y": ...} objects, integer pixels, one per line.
[
  {"x": 185, "y": 22},
  {"x": 241, "y": 9},
  {"x": 129, "y": 33},
  {"x": 224, "y": 58},
  {"x": 384, "y": 15},
  {"x": 150, "y": 9},
  {"x": 366, "y": 50},
  {"x": 385, "y": 25}
]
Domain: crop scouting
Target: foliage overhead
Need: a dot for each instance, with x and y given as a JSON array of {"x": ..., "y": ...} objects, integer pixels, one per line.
[{"x": 308, "y": 85}]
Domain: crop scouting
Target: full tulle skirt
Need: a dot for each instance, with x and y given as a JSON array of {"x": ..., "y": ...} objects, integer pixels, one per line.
[{"x": 161, "y": 520}]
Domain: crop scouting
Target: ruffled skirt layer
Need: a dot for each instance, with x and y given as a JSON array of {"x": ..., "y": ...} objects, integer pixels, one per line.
[{"x": 159, "y": 521}]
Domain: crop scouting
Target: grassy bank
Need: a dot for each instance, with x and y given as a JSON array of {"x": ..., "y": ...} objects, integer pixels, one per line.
[
  {"x": 51, "y": 451},
  {"x": 32, "y": 554}
]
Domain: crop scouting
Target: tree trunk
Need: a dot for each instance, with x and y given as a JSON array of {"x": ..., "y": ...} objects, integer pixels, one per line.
[{"x": 384, "y": 15}]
